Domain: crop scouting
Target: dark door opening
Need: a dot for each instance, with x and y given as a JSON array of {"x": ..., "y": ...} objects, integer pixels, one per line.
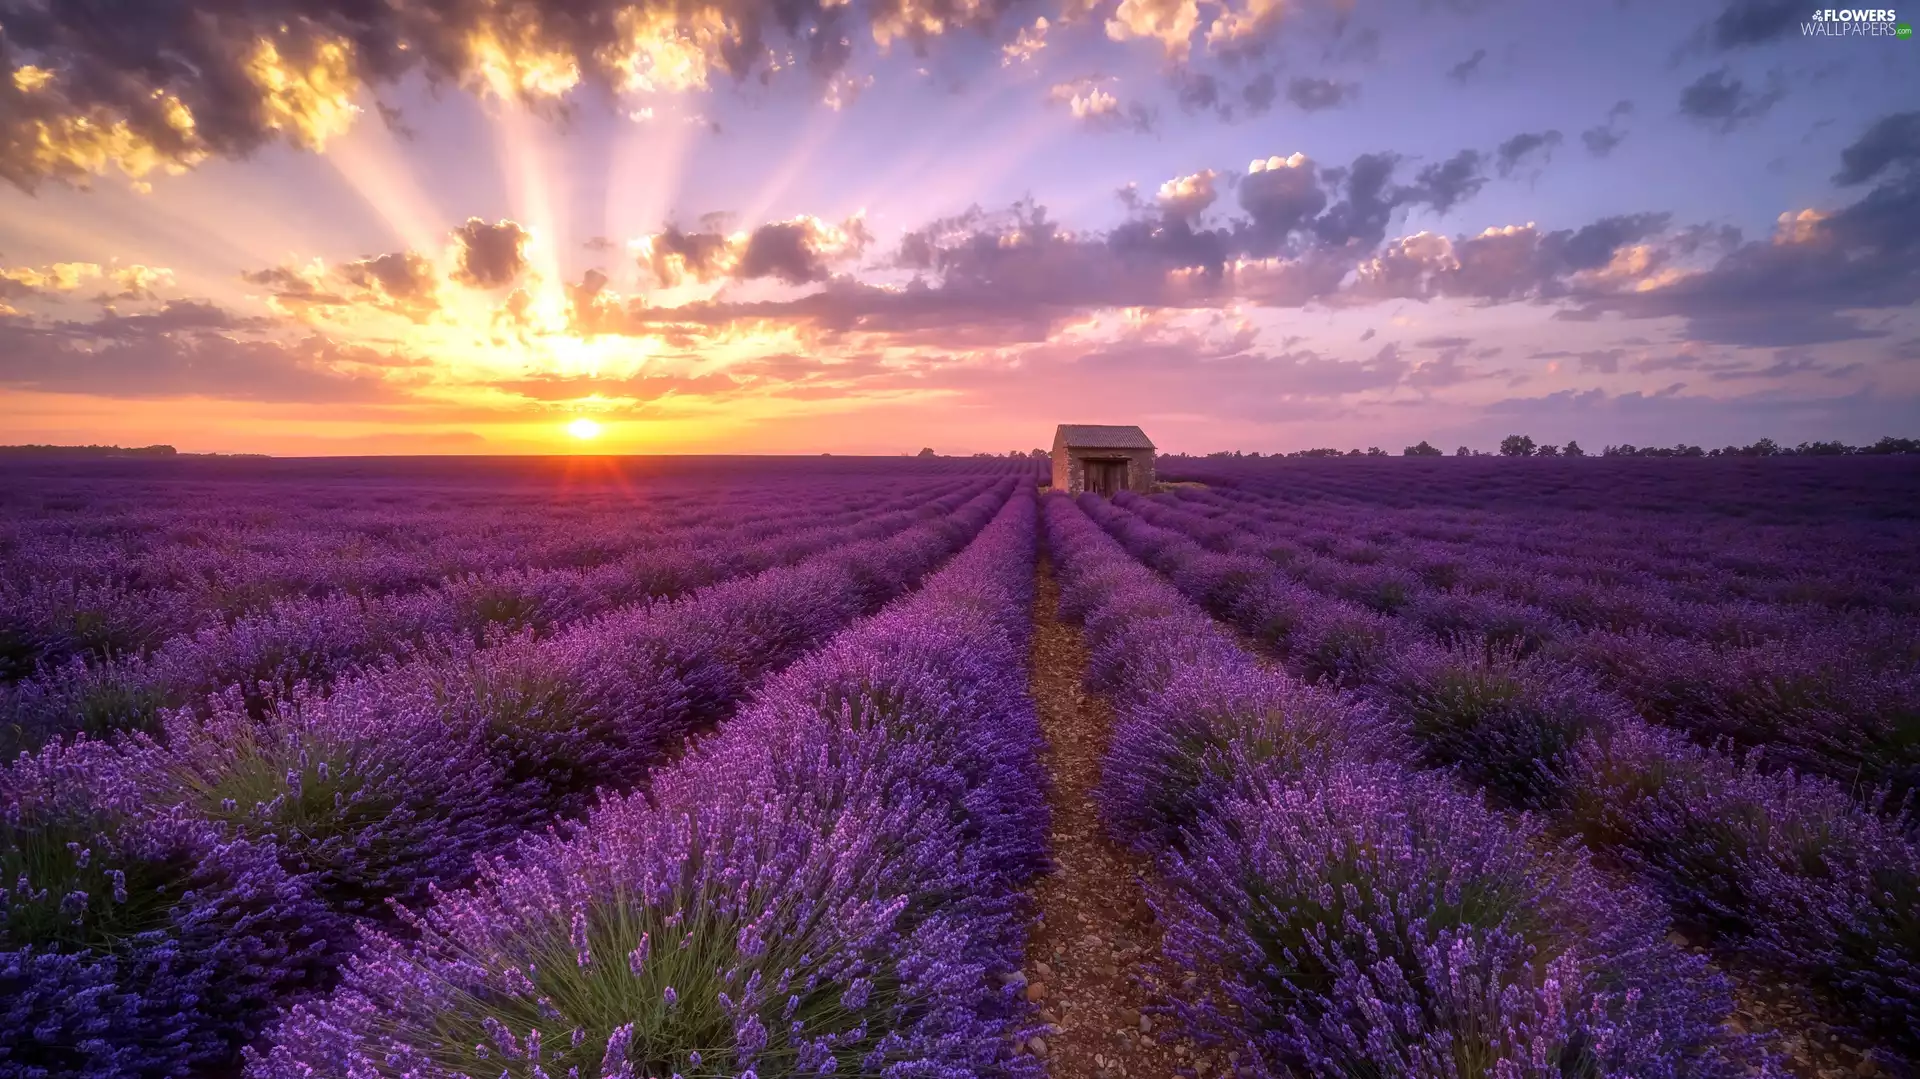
[{"x": 1106, "y": 478}]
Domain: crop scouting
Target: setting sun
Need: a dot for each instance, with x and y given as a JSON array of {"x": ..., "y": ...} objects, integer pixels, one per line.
[{"x": 583, "y": 428}]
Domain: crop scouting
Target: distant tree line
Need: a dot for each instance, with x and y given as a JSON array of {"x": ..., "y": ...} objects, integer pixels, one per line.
[
  {"x": 1525, "y": 446},
  {"x": 88, "y": 451}
]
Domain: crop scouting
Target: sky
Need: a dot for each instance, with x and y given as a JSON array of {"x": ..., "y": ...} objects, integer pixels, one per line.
[{"x": 312, "y": 227}]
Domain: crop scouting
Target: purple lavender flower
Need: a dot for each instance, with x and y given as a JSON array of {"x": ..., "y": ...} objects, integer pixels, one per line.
[{"x": 134, "y": 944}]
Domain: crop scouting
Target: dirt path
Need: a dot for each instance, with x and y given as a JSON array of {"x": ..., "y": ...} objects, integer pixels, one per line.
[{"x": 1096, "y": 934}]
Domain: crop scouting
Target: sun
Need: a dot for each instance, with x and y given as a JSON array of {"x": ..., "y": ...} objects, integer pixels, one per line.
[{"x": 583, "y": 429}]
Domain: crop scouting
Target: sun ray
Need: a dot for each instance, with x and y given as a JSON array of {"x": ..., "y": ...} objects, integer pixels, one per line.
[
  {"x": 534, "y": 201},
  {"x": 647, "y": 171},
  {"x": 822, "y": 123},
  {"x": 369, "y": 159}
]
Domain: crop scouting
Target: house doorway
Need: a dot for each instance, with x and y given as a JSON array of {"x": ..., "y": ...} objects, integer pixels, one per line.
[{"x": 1106, "y": 477}]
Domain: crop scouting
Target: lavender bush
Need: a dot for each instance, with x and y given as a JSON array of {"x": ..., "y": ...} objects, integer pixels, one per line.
[
  {"x": 828, "y": 885},
  {"x": 1797, "y": 868},
  {"x": 135, "y": 944},
  {"x": 1332, "y": 912}
]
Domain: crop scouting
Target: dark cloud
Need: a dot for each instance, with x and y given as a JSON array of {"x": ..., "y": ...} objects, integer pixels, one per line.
[
  {"x": 783, "y": 252},
  {"x": 182, "y": 80},
  {"x": 491, "y": 256},
  {"x": 1281, "y": 196},
  {"x": 1503, "y": 264},
  {"x": 404, "y": 282},
  {"x": 796, "y": 252},
  {"x": 1197, "y": 91},
  {"x": 1312, "y": 95},
  {"x": 176, "y": 316},
  {"x": 1725, "y": 102},
  {"x": 1892, "y": 143},
  {"x": 672, "y": 255},
  {"x": 1601, "y": 140},
  {"x": 178, "y": 353},
  {"x": 1466, "y": 69},
  {"x": 1797, "y": 287},
  {"x": 1525, "y": 146},
  {"x": 1362, "y": 216},
  {"x": 1755, "y": 22},
  {"x": 1448, "y": 183},
  {"x": 1592, "y": 246},
  {"x": 1260, "y": 93}
]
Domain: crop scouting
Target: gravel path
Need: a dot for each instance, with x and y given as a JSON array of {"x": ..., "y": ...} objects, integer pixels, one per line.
[{"x": 1096, "y": 936}]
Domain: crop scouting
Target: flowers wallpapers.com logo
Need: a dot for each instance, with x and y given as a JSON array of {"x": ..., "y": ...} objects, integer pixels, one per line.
[{"x": 1855, "y": 22}]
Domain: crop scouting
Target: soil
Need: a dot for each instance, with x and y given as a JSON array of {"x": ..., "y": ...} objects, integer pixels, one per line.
[{"x": 1095, "y": 942}]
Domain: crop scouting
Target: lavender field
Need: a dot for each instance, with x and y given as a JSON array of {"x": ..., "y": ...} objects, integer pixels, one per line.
[{"x": 764, "y": 767}]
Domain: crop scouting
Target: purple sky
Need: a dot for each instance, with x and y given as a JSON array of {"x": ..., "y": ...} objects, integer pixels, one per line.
[{"x": 304, "y": 227}]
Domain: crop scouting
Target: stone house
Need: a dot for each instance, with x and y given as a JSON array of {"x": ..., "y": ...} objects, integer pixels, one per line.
[{"x": 1101, "y": 458}]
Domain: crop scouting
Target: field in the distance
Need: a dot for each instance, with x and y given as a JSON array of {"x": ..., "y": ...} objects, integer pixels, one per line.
[{"x": 710, "y": 767}]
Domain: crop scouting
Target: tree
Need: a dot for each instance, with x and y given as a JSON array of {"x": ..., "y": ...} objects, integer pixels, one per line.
[
  {"x": 1421, "y": 450},
  {"x": 1548, "y": 450},
  {"x": 1573, "y": 449},
  {"x": 1039, "y": 455},
  {"x": 1375, "y": 451},
  {"x": 1463, "y": 452},
  {"x": 927, "y": 452},
  {"x": 1516, "y": 446}
]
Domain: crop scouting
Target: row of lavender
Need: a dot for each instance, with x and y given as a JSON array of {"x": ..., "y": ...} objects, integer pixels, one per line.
[
  {"x": 311, "y": 643},
  {"x": 1794, "y": 492},
  {"x": 1789, "y": 868},
  {"x": 102, "y": 585},
  {"x": 165, "y": 897},
  {"x": 1862, "y": 567},
  {"x": 1838, "y": 695},
  {"x": 1331, "y": 910},
  {"x": 830, "y": 885}
]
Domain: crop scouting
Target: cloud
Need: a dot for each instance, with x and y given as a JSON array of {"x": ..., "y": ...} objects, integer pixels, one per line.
[
  {"x": 1281, "y": 194},
  {"x": 1755, "y": 22},
  {"x": 1170, "y": 22},
  {"x": 1466, "y": 69},
  {"x": 165, "y": 86},
  {"x": 1601, "y": 140},
  {"x": 1892, "y": 143},
  {"x": 1187, "y": 196},
  {"x": 136, "y": 282},
  {"x": 1026, "y": 44},
  {"x": 1362, "y": 216},
  {"x": 1725, "y": 102},
  {"x": 175, "y": 317},
  {"x": 403, "y": 282},
  {"x": 490, "y": 256},
  {"x": 1197, "y": 91},
  {"x": 1797, "y": 286},
  {"x": 179, "y": 353},
  {"x": 1099, "y": 109},
  {"x": 1260, "y": 93},
  {"x": 1313, "y": 95},
  {"x": 1524, "y": 146},
  {"x": 795, "y": 252},
  {"x": 1505, "y": 263},
  {"x": 1451, "y": 182},
  {"x": 26, "y": 281}
]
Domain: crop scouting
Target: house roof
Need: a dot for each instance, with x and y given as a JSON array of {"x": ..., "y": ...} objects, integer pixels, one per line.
[{"x": 1095, "y": 436}]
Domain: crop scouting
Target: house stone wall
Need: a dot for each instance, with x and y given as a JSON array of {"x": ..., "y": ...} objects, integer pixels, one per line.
[{"x": 1069, "y": 473}]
